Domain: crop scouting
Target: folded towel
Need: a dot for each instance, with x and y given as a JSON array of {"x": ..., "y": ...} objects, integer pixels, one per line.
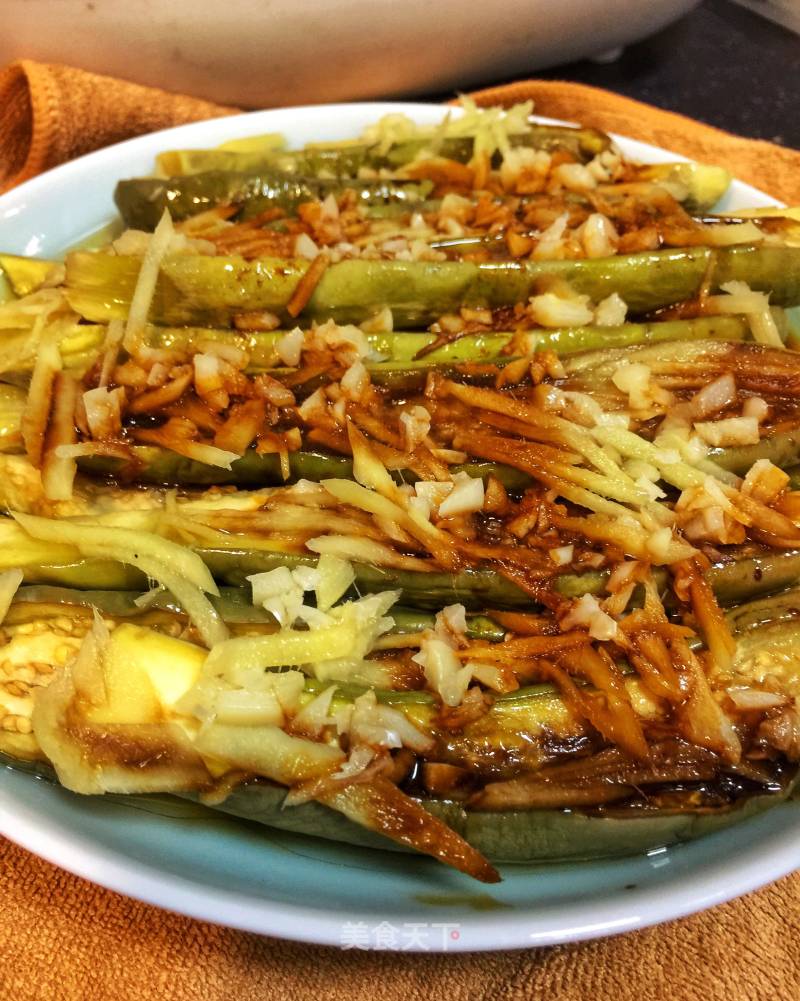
[
  {"x": 49, "y": 114},
  {"x": 62, "y": 939}
]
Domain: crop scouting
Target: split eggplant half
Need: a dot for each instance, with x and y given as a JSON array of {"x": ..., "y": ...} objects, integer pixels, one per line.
[{"x": 129, "y": 718}]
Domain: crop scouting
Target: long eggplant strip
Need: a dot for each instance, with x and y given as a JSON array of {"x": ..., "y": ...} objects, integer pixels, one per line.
[
  {"x": 347, "y": 158},
  {"x": 531, "y": 706},
  {"x": 159, "y": 465},
  {"x": 506, "y": 835},
  {"x": 210, "y": 290},
  {"x": 703, "y": 184},
  {"x": 142, "y": 201},
  {"x": 155, "y": 465},
  {"x": 403, "y": 346},
  {"x": 512, "y": 834},
  {"x": 80, "y": 343},
  {"x": 782, "y": 448},
  {"x": 503, "y": 836},
  {"x": 475, "y": 588},
  {"x": 740, "y": 580},
  {"x": 233, "y": 604},
  {"x": 79, "y": 352},
  {"x": 482, "y": 587}
]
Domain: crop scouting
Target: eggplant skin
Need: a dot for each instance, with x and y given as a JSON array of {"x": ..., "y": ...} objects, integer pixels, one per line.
[
  {"x": 509, "y": 836},
  {"x": 513, "y": 836},
  {"x": 142, "y": 200}
]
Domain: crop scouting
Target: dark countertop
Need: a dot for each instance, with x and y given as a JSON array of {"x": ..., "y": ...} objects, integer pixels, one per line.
[{"x": 720, "y": 63}]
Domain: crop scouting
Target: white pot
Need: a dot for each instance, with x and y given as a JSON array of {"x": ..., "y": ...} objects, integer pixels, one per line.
[{"x": 278, "y": 52}]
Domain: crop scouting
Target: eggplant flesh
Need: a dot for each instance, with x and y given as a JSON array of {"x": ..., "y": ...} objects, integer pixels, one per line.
[{"x": 767, "y": 633}]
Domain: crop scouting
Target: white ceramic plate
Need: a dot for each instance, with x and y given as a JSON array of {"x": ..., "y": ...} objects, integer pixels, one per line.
[{"x": 290, "y": 886}]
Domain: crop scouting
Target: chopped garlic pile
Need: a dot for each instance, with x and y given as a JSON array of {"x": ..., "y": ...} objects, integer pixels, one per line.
[
  {"x": 645, "y": 396},
  {"x": 464, "y": 494},
  {"x": 347, "y": 343},
  {"x": 256, "y": 680},
  {"x": 729, "y": 431},
  {"x": 369, "y": 722},
  {"x": 522, "y": 165},
  {"x": 765, "y": 481},
  {"x": 575, "y": 177},
  {"x": 566, "y": 308},
  {"x": 437, "y": 656},
  {"x": 587, "y": 613},
  {"x": 281, "y": 591},
  {"x": 415, "y": 424}
]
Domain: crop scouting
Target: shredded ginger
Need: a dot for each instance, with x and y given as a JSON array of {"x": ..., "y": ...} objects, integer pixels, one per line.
[{"x": 491, "y": 129}]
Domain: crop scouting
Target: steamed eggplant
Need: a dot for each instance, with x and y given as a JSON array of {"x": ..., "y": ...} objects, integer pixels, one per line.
[
  {"x": 211, "y": 290},
  {"x": 345, "y": 159},
  {"x": 519, "y": 584},
  {"x": 142, "y": 202},
  {"x": 147, "y": 679}
]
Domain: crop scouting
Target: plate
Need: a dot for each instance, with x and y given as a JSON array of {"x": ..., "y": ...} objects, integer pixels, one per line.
[{"x": 189, "y": 860}]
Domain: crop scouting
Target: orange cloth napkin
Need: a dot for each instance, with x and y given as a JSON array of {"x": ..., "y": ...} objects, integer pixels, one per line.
[
  {"x": 49, "y": 114},
  {"x": 63, "y": 938}
]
